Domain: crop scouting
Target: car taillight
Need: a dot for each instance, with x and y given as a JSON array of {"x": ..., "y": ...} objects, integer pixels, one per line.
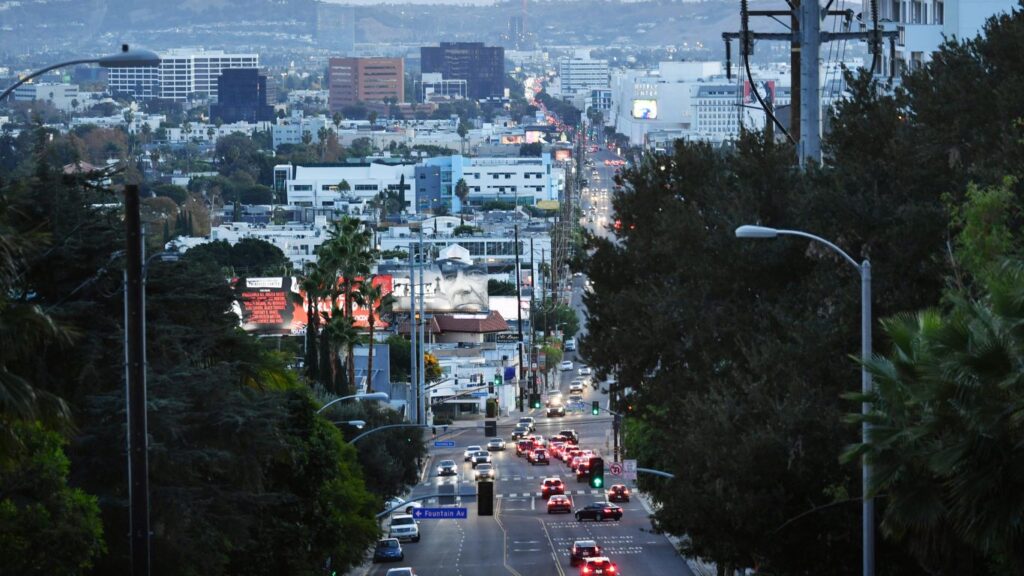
[
  {"x": 586, "y": 569},
  {"x": 611, "y": 569},
  {"x": 607, "y": 509}
]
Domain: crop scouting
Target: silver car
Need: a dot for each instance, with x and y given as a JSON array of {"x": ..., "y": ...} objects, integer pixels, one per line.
[
  {"x": 470, "y": 450},
  {"x": 484, "y": 472},
  {"x": 481, "y": 457},
  {"x": 495, "y": 444},
  {"x": 447, "y": 468}
]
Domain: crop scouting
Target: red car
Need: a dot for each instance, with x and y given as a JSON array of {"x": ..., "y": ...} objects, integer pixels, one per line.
[
  {"x": 559, "y": 503},
  {"x": 523, "y": 447},
  {"x": 551, "y": 487},
  {"x": 618, "y": 493},
  {"x": 598, "y": 567}
]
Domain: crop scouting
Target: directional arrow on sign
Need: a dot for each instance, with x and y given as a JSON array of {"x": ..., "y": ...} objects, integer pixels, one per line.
[{"x": 616, "y": 468}]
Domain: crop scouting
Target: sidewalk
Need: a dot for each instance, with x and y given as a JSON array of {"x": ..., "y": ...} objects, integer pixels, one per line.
[{"x": 698, "y": 567}]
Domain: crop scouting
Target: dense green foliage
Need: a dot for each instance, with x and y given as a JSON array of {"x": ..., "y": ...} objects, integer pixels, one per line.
[
  {"x": 739, "y": 350},
  {"x": 500, "y": 288},
  {"x": 551, "y": 315},
  {"x": 247, "y": 257}
]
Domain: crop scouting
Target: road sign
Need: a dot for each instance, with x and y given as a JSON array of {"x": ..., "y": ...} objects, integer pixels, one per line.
[
  {"x": 481, "y": 394},
  {"x": 444, "y": 444},
  {"x": 629, "y": 469},
  {"x": 439, "y": 513},
  {"x": 615, "y": 468}
]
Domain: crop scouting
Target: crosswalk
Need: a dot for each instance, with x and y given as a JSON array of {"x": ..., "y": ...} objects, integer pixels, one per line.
[{"x": 539, "y": 495}]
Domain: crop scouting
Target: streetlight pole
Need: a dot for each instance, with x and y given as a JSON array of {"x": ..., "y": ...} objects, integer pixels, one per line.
[
  {"x": 127, "y": 58},
  {"x": 382, "y": 396},
  {"x": 864, "y": 270}
]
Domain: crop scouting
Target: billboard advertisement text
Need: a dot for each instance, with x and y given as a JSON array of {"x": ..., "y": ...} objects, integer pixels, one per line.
[{"x": 277, "y": 305}]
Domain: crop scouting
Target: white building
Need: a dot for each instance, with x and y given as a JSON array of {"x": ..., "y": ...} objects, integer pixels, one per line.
[
  {"x": 297, "y": 241},
  {"x": 317, "y": 187},
  {"x": 923, "y": 23},
  {"x": 182, "y": 73},
  {"x": 63, "y": 96},
  {"x": 580, "y": 75}
]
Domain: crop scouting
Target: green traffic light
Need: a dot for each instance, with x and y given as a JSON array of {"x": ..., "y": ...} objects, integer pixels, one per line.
[{"x": 596, "y": 482}]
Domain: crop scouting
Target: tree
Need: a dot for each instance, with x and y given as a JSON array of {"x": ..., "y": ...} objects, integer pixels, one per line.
[
  {"x": 361, "y": 147},
  {"x": 552, "y": 315},
  {"x": 462, "y": 193},
  {"x": 462, "y": 131},
  {"x": 499, "y": 288},
  {"x": 372, "y": 296},
  {"x": 344, "y": 187},
  {"x": 400, "y": 353},
  {"x": 46, "y": 527},
  {"x": 531, "y": 149}
]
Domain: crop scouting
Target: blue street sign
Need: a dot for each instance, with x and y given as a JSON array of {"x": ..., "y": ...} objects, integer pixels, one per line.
[
  {"x": 481, "y": 394},
  {"x": 444, "y": 444},
  {"x": 439, "y": 513}
]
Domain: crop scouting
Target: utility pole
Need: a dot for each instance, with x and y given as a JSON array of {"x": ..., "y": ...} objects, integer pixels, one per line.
[
  {"x": 423, "y": 339},
  {"x": 533, "y": 315},
  {"x": 519, "y": 309},
  {"x": 413, "y": 365},
  {"x": 138, "y": 434},
  {"x": 806, "y": 38}
]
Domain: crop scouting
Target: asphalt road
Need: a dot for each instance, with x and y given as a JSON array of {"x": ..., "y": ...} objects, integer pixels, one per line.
[{"x": 521, "y": 539}]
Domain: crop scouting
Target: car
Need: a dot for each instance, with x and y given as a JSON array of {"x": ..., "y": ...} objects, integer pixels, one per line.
[
  {"x": 399, "y": 504},
  {"x": 583, "y": 549},
  {"x": 584, "y": 371},
  {"x": 570, "y": 346},
  {"x": 470, "y": 450},
  {"x": 496, "y": 444},
  {"x": 480, "y": 457},
  {"x": 571, "y": 435},
  {"x": 538, "y": 457},
  {"x": 551, "y": 486},
  {"x": 447, "y": 468},
  {"x": 529, "y": 422},
  {"x": 483, "y": 472},
  {"x": 401, "y": 572},
  {"x": 618, "y": 493},
  {"x": 578, "y": 460},
  {"x": 576, "y": 387},
  {"x": 599, "y": 511},
  {"x": 538, "y": 440},
  {"x": 599, "y": 566},
  {"x": 582, "y": 471},
  {"x": 559, "y": 503},
  {"x": 388, "y": 550},
  {"x": 556, "y": 411},
  {"x": 404, "y": 527},
  {"x": 523, "y": 447},
  {"x": 520, "y": 432},
  {"x": 554, "y": 399},
  {"x": 565, "y": 365}
]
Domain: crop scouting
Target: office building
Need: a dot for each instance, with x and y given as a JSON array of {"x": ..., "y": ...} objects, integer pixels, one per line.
[
  {"x": 923, "y": 25},
  {"x": 361, "y": 80},
  {"x": 582, "y": 75},
  {"x": 482, "y": 67},
  {"x": 432, "y": 87},
  {"x": 242, "y": 97},
  {"x": 181, "y": 75},
  {"x": 63, "y": 96}
]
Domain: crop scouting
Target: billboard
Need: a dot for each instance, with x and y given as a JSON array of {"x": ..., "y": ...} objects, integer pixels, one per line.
[
  {"x": 511, "y": 138},
  {"x": 645, "y": 109},
  {"x": 562, "y": 154},
  {"x": 276, "y": 305},
  {"x": 451, "y": 290},
  {"x": 766, "y": 88}
]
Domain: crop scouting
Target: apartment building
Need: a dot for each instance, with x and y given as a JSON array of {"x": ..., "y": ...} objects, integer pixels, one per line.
[
  {"x": 582, "y": 75},
  {"x": 181, "y": 75},
  {"x": 362, "y": 80}
]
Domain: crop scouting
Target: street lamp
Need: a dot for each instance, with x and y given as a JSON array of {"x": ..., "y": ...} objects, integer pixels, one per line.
[
  {"x": 358, "y": 424},
  {"x": 126, "y": 58},
  {"x": 382, "y": 396},
  {"x": 864, "y": 269}
]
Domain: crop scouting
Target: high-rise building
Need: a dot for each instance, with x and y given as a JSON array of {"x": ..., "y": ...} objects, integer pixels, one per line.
[
  {"x": 582, "y": 75},
  {"x": 355, "y": 80},
  {"x": 182, "y": 73},
  {"x": 482, "y": 67},
  {"x": 242, "y": 96}
]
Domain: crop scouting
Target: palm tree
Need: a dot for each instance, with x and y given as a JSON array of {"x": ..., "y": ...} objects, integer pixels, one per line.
[
  {"x": 316, "y": 284},
  {"x": 372, "y": 296},
  {"x": 462, "y": 192},
  {"x": 347, "y": 253},
  {"x": 340, "y": 334}
]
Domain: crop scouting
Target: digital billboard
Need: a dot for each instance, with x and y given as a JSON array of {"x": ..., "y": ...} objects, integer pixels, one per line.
[
  {"x": 451, "y": 290},
  {"x": 645, "y": 109},
  {"x": 276, "y": 305},
  {"x": 562, "y": 154},
  {"x": 766, "y": 89}
]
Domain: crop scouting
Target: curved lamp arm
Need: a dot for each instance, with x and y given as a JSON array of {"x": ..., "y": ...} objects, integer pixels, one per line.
[
  {"x": 14, "y": 86},
  {"x": 837, "y": 249}
]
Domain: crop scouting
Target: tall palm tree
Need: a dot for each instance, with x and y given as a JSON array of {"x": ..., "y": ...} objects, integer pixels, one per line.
[
  {"x": 317, "y": 285},
  {"x": 340, "y": 334},
  {"x": 349, "y": 254},
  {"x": 372, "y": 296}
]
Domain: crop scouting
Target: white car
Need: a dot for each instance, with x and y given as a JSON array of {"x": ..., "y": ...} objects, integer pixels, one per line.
[
  {"x": 447, "y": 468},
  {"x": 470, "y": 450},
  {"x": 484, "y": 472},
  {"x": 401, "y": 572},
  {"x": 496, "y": 444},
  {"x": 404, "y": 527},
  {"x": 576, "y": 387},
  {"x": 584, "y": 371},
  {"x": 566, "y": 365},
  {"x": 399, "y": 504}
]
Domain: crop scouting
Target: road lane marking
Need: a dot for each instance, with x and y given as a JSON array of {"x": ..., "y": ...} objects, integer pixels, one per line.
[
  {"x": 554, "y": 553},
  {"x": 504, "y": 539}
]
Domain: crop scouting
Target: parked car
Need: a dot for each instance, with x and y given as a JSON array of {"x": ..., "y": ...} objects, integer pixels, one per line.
[
  {"x": 404, "y": 527},
  {"x": 447, "y": 468},
  {"x": 484, "y": 472},
  {"x": 399, "y": 504},
  {"x": 599, "y": 511},
  {"x": 388, "y": 550},
  {"x": 496, "y": 444}
]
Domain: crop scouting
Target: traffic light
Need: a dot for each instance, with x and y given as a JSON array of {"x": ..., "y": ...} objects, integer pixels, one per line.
[
  {"x": 490, "y": 387},
  {"x": 485, "y": 498},
  {"x": 595, "y": 407},
  {"x": 535, "y": 400},
  {"x": 498, "y": 380},
  {"x": 597, "y": 473}
]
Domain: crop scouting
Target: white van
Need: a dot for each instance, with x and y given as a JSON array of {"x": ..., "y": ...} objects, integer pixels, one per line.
[{"x": 570, "y": 345}]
